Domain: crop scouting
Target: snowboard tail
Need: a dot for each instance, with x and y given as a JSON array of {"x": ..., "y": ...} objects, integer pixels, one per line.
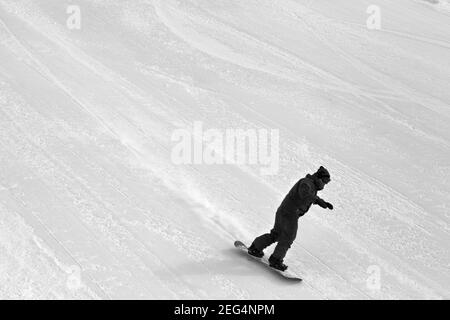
[{"x": 286, "y": 274}]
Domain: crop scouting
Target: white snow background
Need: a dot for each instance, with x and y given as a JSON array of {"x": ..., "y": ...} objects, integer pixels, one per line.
[{"x": 92, "y": 205}]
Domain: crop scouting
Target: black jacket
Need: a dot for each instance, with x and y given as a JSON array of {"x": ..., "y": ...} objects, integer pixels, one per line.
[{"x": 302, "y": 195}]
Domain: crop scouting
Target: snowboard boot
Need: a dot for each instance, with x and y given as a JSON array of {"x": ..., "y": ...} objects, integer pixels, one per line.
[
  {"x": 277, "y": 263},
  {"x": 255, "y": 252}
]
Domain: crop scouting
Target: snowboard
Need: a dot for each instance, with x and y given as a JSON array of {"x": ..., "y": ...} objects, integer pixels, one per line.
[{"x": 286, "y": 274}]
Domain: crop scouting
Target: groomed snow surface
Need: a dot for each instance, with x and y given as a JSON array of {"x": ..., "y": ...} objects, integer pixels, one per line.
[{"x": 92, "y": 204}]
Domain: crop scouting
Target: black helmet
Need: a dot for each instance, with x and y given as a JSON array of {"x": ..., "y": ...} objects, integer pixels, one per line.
[{"x": 322, "y": 173}]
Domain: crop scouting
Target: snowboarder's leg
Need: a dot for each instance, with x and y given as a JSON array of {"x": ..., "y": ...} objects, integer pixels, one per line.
[
  {"x": 262, "y": 242},
  {"x": 265, "y": 240},
  {"x": 286, "y": 239},
  {"x": 282, "y": 248}
]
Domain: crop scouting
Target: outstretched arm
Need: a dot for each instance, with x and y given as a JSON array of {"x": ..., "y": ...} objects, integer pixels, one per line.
[
  {"x": 307, "y": 194},
  {"x": 323, "y": 203}
]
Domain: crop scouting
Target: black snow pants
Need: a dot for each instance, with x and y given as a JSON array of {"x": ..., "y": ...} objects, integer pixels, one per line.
[{"x": 284, "y": 232}]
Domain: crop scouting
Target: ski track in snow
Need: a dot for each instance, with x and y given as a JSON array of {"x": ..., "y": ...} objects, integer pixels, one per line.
[{"x": 86, "y": 179}]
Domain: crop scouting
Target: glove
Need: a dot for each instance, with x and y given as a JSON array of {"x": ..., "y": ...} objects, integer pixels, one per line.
[{"x": 324, "y": 204}]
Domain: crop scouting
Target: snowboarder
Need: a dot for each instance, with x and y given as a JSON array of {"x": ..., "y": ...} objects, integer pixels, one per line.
[{"x": 297, "y": 202}]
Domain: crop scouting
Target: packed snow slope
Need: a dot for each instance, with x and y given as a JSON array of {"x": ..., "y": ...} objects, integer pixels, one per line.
[{"x": 92, "y": 205}]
